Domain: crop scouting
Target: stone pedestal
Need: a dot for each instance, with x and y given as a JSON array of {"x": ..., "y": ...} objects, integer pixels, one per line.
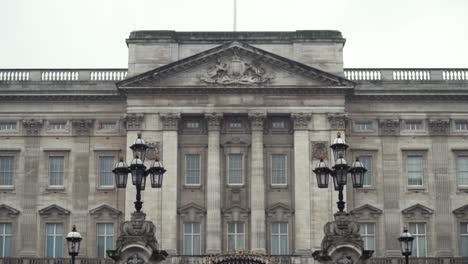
[
  {"x": 137, "y": 242},
  {"x": 342, "y": 243}
]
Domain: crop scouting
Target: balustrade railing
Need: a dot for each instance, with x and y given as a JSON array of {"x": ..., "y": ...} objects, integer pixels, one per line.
[
  {"x": 363, "y": 74},
  {"x": 31, "y": 75}
]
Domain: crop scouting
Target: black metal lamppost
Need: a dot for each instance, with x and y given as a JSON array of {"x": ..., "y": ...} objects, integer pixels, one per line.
[
  {"x": 73, "y": 243},
  {"x": 138, "y": 171},
  {"x": 340, "y": 171},
  {"x": 406, "y": 243}
]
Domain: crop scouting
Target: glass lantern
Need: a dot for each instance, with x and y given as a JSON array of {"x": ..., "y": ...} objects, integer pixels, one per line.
[
  {"x": 139, "y": 148},
  {"x": 339, "y": 147},
  {"x": 322, "y": 172},
  {"x": 357, "y": 173},
  {"x": 73, "y": 242},
  {"x": 121, "y": 174},
  {"x": 156, "y": 174},
  {"x": 406, "y": 242}
]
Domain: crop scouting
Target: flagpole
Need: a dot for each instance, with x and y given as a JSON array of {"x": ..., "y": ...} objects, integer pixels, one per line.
[{"x": 235, "y": 16}]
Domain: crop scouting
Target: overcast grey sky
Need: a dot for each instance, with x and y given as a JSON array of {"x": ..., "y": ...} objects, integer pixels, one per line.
[{"x": 91, "y": 33}]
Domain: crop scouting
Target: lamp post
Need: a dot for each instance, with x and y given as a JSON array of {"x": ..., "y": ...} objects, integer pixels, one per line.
[
  {"x": 138, "y": 171},
  {"x": 73, "y": 242},
  {"x": 340, "y": 171},
  {"x": 406, "y": 243}
]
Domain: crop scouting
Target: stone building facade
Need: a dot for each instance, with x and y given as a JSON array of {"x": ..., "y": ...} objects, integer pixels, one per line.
[{"x": 239, "y": 120}]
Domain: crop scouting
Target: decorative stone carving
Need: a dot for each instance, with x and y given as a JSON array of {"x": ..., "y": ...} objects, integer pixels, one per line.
[
  {"x": 320, "y": 150},
  {"x": 461, "y": 212},
  {"x": 389, "y": 126},
  {"x": 170, "y": 121},
  {"x": 236, "y": 213},
  {"x": 301, "y": 120},
  {"x": 214, "y": 121},
  {"x": 366, "y": 212},
  {"x": 337, "y": 121},
  {"x": 101, "y": 210},
  {"x": 32, "y": 127},
  {"x": 82, "y": 127},
  {"x": 417, "y": 211},
  {"x": 154, "y": 151},
  {"x": 439, "y": 126},
  {"x": 134, "y": 121},
  {"x": 236, "y": 71},
  {"x": 192, "y": 212},
  {"x": 54, "y": 210},
  {"x": 344, "y": 260},
  {"x": 241, "y": 257},
  {"x": 257, "y": 121},
  {"x": 135, "y": 259},
  {"x": 279, "y": 212},
  {"x": 8, "y": 212}
]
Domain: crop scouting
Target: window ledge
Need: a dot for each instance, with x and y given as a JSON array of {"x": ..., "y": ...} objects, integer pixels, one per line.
[
  {"x": 463, "y": 188},
  {"x": 7, "y": 188},
  {"x": 105, "y": 188},
  {"x": 192, "y": 186},
  {"x": 366, "y": 189},
  {"x": 55, "y": 189},
  {"x": 279, "y": 186},
  {"x": 416, "y": 188}
]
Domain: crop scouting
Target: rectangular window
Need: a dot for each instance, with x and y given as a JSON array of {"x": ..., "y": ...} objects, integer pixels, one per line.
[
  {"x": 464, "y": 239},
  {"x": 107, "y": 125},
  {"x": 192, "y": 169},
  {"x": 235, "y": 125},
  {"x": 367, "y": 231},
  {"x": 193, "y": 124},
  {"x": 415, "y": 170},
  {"x": 235, "y": 168},
  {"x": 105, "y": 239},
  {"x": 7, "y": 165},
  {"x": 462, "y": 170},
  {"x": 57, "y": 126},
  {"x": 278, "y": 124},
  {"x": 413, "y": 125},
  {"x": 54, "y": 240},
  {"x": 192, "y": 239},
  {"x": 278, "y": 169},
  {"x": 236, "y": 236},
  {"x": 461, "y": 125},
  {"x": 279, "y": 238},
  {"x": 56, "y": 170},
  {"x": 106, "y": 177},
  {"x": 8, "y": 126},
  {"x": 6, "y": 236},
  {"x": 418, "y": 230},
  {"x": 368, "y": 176},
  {"x": 362, "y": 126}
]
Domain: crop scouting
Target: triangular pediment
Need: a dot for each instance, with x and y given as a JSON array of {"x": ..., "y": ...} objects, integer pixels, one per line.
[
  {"x": 104, "y": 209},
  {"x": 236, "y": 208},
  {"x": 54, "y": 210},
  {"x": 461, "y": 212},
  {"x": 192, "y": 207},
  {"x": 278, "y": 207},
  {"x": 366, "y": 211},
  {"x": 234, "y": 64},
  {"x": 417, "y": 211},
  {"x": 8, "y": 211}
]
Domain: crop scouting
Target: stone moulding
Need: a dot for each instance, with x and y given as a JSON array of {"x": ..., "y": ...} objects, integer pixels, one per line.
[
  {"x": 170, "y": 121},
  {"x": 257, "y": 121},
  {"x": 389, "y": 127},
  {"x": 417, "y": 211},
  {"x": 111, "y": 211},
  {"x": 301, "y": 120},
  {"x": 32, "y": 127},
  {"x": 439, "y": 126},
  {"x": 54, "y": 209},
  {"x": 461, "y": 212},
  {"x": 8, "y": 211},
  {"x": 337, "y": 121},
  {"x": 134, "y": 121},
  {"x": 366, "y": 211}
]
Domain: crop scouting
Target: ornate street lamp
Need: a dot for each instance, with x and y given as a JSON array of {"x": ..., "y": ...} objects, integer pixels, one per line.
[
  {"x": 340, "y": 171},
  {"x": 406, "y": 243},
  {"x": 138, "y": 170},
  {"x": 73, "y": 243}
]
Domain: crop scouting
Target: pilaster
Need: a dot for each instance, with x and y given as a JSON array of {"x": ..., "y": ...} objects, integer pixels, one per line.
[{"x": 257, "y": 189}]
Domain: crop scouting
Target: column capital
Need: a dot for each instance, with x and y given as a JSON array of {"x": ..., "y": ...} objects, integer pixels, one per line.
[
  {"x": 389, "y": 126},
  {"x": 301, "y": 120},
  {"x": 32, "y": 127},
  {"x": 337, "y": 121},
  {"x": 214, "y": 121},
  {"x": 134, "y": 121},
  {"x": 170, "y": 121},
  {"x": 439, "y": 126},
  {"x": 257, "y": 121}
]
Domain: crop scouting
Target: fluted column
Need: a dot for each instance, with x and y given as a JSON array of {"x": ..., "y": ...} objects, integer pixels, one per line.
[
  {"x": 168, "y": 232},
  {"x": 257, "y": 189},
  {"x": 302, "y": 236},
  {"x": 213, "y": 196}
]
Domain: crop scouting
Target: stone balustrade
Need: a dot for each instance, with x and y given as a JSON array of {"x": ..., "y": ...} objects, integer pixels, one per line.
[
  {"x": 364, "y": 74},
  {"x": 35, "y": 75}
]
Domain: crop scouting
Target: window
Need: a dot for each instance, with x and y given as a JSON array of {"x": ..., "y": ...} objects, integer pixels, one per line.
[
  {"x": 235, "y": 169},
  {"x": 278, "y": 124},
  {"x": 56, "y": 170},
  {"x": 418, "y": 230},
  {"x": 278, "y": 169},
  {"x": 54, "y": 240},
  {"x": 193, "y": 124},
  {"x": 367, "y": 162},
  {"x": 192, "y": 239},
  {"x": 236, "y": 236},
  {"x": 367, "y": 231},
  {"x": 105, "y": 239},
  {"x": 461, "y": 125},
  {"x": 235, "y": 124},
  {"x": 464, "y": 239},
  {"x": 462, "y": 170},
  {"x": 106, "y": 177},
  {"x": 413, "y": 125},
  {"x": 5, "y": 240},
  {"x": 8, "y": 126},
  {"x": 7, "y": 164},
  {"x": 107, "y": 125},
  {"x": 279, "y": 238},
  {"x": 415, "y": 170},
  {"x": 362, "y": 126},
  {"x": 192, "y": 169},
  {"x": 56, "y": 126}
]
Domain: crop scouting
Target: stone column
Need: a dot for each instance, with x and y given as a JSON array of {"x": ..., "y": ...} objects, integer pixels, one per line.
[
  {"x": 213, "y": 195},
  {"x": 302, "y": 175},
  {"x": 168, "y": 232},
  {"x": 389, "y": 129},
  {"x": 441, "y": 186},
  {"x": 257, "y": 188}
]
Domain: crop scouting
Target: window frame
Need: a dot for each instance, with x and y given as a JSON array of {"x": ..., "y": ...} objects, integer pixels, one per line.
[
  {"x": 425, "y": 168},
  {"x": 364, "y": 126},
  {"x": 416, "y": 241},
  {"x": 199, "y": 169},
  {"x": 460, "y": 236},
  {"x": 459, "y": 155},
  {"x": 407, "y": 125},
  {"x": 192, "y": 235},
  {"x": 242, "y": 169},
  {"x": 373, "y": 153},
  {"x": 236, "y": 235},
  {"x": 55, "y": 239},
  {"x": 56, "y": 186},
  {"x": 99, "y": 171},
  {"x": 105, "y": 238},
  {"x": 366, "y": 235},
  {"x": 464, "y": 122},
  {"x": 3, "y": 237},
  {"x": 13, "y": 172},
  {"x": 286, "y": 170},
  {"x": 280, "y": 235},
  {"x": 9, "y": 122}
]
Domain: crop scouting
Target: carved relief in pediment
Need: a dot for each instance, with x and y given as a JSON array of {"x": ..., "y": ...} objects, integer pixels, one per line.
[
  {"x": 279, "y": 212},
  {"x": 54, "y": 211},
  {"x": 366, "y": 212},
  {"x": 8, "y": 212},
  {"x": 104, "y": 211},
  {"x": 417, "y": 211},
  {"x": 461, "y": 212},
  {"x": 192, "y": 212},
  {"x": 236, "y": 213}
]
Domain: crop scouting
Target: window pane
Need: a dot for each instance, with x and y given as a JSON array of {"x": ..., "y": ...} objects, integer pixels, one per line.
[
  {"x": 415, "y": 170},
  {"x": 187, "y": 245},
  {"x": 462, "y": 170},
  {"x": 235, "y": 169},
  {"x": 231, "y": 243},
  {"x": 464, "y": 246},
  {"x": 284, "y": 245},
  {"x": 422, "y": 246},
  {"x": 275, "y": 245},
  {"x": 56, "y": 165},
  {"x": 6, "y": 170},
  {"x": 106, "y": 177},
  {"x": 367, "y": 162},
  {"x": 192, "y": 169},
  {"x": 464, "y": 228},
  {"x": 196, "y": 245},
  {"x": 278, "y": 169},
  {"x": 100, "y": 246},
  {"x": 50, "y": 246}
]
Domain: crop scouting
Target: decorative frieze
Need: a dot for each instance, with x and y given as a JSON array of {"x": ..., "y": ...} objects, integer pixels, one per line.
[
  {"x": 214, "y": 121},
  {"x": 439, "y": 126},
  {"x": 154, "y": 151},
  {"x": 389, "y": 127},
  {"x": 417, "y": 212},
  {"x": 337, "y": 121},
  {"x": 257, "y": 121},
  {"x": 170, "y": 121},
  {"x": 320, "y": 150},
  {"x": 134, "y": 121},
  {"x": 82, "y": 127},
  {"x": 32, "y": 127},
  {"x": 301, "y": 120}
]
